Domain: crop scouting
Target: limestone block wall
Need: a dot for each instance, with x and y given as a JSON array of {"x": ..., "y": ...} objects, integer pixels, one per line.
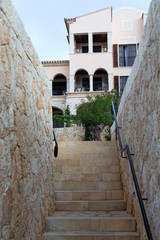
[
  {"x": 26, "y": 152},
  {"x": 69, "y": 134},
  {"x": 139, "y": 119}
]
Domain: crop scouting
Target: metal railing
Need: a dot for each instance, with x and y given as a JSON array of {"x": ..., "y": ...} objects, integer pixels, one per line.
[
  {"x": 143, "y": 211},
  {"x": 56, "y": 144}
]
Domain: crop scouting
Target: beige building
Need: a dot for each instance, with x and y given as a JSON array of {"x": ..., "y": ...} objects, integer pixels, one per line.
[{"x": 103, "y": 47}]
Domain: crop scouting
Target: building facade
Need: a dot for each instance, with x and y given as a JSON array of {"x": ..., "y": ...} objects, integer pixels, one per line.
[{"x": 103, "y": 46}]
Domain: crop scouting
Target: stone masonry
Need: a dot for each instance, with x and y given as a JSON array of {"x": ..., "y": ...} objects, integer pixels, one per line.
[
  {"x": 69, "y": 134},
  {"x": 26, "y": 152},
  {"x": 139, "y": 119}
]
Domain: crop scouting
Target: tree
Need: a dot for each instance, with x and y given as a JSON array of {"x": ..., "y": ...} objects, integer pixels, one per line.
[
  {"x": 96, "y": 112},
  {"x": 93, "y": 113}
]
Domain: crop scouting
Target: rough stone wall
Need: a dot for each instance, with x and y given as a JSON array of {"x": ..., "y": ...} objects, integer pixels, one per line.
[
  {"x": 139, "y": 119},
  {"x": 26, "y": 152},
  {"x": 74, "y": 133},
  {"x": 69, "y": 134}
]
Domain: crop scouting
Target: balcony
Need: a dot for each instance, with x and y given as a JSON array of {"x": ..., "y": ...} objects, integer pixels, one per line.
[
  {"x": 83, "y": 82},
  {"x": 90, "y": 43}
]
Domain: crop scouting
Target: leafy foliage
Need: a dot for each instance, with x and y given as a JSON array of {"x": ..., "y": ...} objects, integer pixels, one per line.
[{"x": 93, "y": 113}]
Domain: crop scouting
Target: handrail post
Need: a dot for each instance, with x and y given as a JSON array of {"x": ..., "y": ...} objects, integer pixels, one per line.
[
  {"x": 116, "y": 126},
  {"x": 56, "y": 144}
]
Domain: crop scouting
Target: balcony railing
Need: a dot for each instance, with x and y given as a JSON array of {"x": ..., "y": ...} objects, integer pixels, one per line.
[{"x": 102, "y": 50}]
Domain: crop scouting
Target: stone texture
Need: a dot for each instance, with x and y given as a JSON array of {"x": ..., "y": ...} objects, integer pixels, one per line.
[
  {"x": 69, "y": 134},
  {"x": 139, "y": 119},
  {"x": 26, "y": 150},
  {"x": 89, "y": 206},
  {"x": 75, "y": 133}
]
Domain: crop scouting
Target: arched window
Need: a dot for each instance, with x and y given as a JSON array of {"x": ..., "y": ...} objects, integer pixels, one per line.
[
  {"x": 59, "y": 85},
  {"x": 81, "y": 81},
  {"x": 100, "y": 80}
]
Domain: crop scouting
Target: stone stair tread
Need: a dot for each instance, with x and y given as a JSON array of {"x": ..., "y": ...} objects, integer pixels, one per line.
[
  {"x": 90, "y": 190},
  {"x": 72, "y": 182},
  {"x": 87, "y": 143},
  {"x": 89, "y": 195},
  {"x": 92, "y": 233},
  {"x": 93, "y": 214},
  {"x": 94, "y": 201},
  {"x": 105, "y": 185}
]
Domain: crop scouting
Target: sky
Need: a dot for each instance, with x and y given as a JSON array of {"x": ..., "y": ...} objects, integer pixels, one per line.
[{"x": 44, "y": 21}]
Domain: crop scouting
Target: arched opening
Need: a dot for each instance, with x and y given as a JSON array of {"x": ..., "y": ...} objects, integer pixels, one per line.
[
  {"x": 59, "y": 85},
  {"x": 57, "y": 124},
  {"x": 81, "y": 81},
  {"x": 100, "y": 80}
]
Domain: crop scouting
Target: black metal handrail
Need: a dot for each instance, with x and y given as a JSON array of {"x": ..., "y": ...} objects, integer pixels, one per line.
[
  {"x": 143, "y": 211},
  {"x": 56, "y": 144}
]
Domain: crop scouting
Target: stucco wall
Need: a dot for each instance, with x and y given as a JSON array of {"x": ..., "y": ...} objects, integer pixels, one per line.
[
  {"x": 26, "y": 151},
  {"x": 90, "y": 62},
  {"x": 139, "y": 119},
  {"x": 61, "y": 67},
  {"x": 127, "y": 26},
  {"x": 89, "y": 23}
]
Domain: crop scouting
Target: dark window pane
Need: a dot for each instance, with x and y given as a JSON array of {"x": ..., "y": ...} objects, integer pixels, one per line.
[
  {"x": 123, "y": 81},
  {"x": 97, "y": 49},
  {"x": 58, "y": 88},
  {"x": 85, "y": 84},
  {"x": 127, "y": 55},
  {"x": 97, "y": 84},
  {"x": 85, "y": 49}
]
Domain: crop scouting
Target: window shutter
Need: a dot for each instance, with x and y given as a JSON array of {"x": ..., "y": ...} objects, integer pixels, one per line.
[
  {"x": 116, "y": 83},
  {"x": 115, "y": 55}
]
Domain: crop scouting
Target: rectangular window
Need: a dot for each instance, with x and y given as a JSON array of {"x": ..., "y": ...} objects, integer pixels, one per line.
[
  {"x": 97, "y": 49},
  {"x": 123, "y": 80},
  {"x": 85, "y": 49},
  {"x": 127, "y": 55}
]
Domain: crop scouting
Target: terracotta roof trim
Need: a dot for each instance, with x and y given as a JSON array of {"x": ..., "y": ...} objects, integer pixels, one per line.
[{"x": 55, "y": 62}]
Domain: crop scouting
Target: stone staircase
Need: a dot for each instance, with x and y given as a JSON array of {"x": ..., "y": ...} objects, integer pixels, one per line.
[{"x": 89, "y": 195}]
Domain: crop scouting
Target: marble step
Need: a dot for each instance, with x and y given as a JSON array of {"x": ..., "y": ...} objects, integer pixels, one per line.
[
  {"x": 59, "y": 177},
  {"x": 106, "y": 205},
  {"x": 88, "y": 185},
  {"x": 88, "y": 195},
  {"x": 91, "y": 236}
]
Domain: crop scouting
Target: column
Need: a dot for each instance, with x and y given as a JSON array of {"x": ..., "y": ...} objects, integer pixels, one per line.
[
  {"x": 71, "y": 83},
  {"x": 110, "y": 82},
  {"x": 68, "y": 85},
  {"x": 90, "y": 42},
  {"x": 109, "y": 41},
  {"x": 72, "y": 43},
  {"x": 91, "y": 83}
]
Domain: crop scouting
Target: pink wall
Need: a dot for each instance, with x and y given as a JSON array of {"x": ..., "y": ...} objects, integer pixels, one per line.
[
  {"x": 127, "y": 26},
  {"x": 99, "y": 21}
]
